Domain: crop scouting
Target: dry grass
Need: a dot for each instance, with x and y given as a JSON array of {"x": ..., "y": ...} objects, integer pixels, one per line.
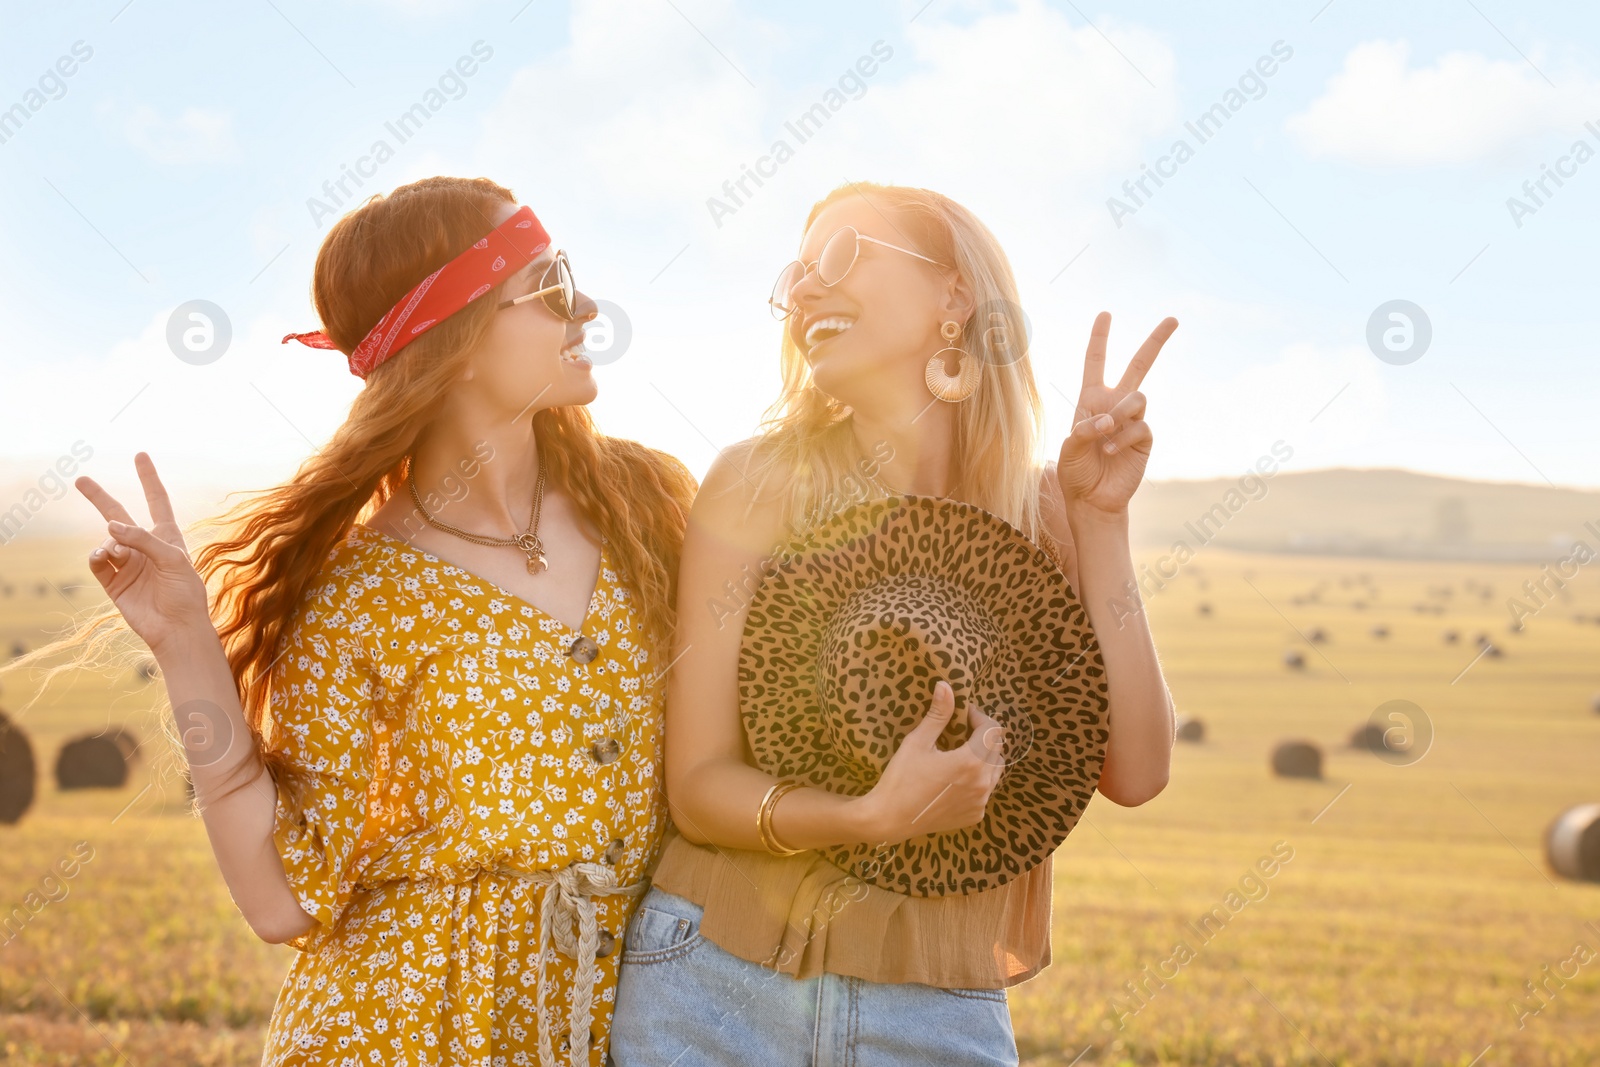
[{"x": 1414, "y": 909}]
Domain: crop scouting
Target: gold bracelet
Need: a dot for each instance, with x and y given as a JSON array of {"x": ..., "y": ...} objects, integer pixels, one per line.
[{"x": 769, "y": 839}]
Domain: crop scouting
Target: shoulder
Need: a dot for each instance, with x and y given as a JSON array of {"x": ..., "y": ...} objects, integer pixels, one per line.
[
  {"x": 744, "y": 497},
  {"x": 634, "y": 453},
  {"x": 656, "y": 471},
  {"x": 744, "y": 478},
  {"x": 364, "y": 566}
]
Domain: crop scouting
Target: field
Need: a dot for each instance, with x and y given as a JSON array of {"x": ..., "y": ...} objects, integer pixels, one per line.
[{"x": 1414, "y": 907}]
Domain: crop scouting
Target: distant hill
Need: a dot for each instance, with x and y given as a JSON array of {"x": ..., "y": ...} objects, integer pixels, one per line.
[
  {"x": 1368, "y": 512},
  {"x": 1339, "y": 511}
]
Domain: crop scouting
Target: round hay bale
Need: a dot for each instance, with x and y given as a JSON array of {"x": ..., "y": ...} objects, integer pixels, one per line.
[
  {"x": 1294, "y": 659},
  {"x": 1451, "y": 637},
  {"x": 1317, "y": 636},
  {"x": 1190, "y": 729},
  {"x": 18, "y": 649},
  {"x": 1380, "y": 631},
  {"x": 1572, "y": 843},
  {"x": 145, "y": 669},
  {"x": 91, "y": 763},
  {"x": 126, "y": 740},
  {"x": 1204, "y": 608},
  {"x": 1493, "y": 652},
  {"x": 1368, "y": 737},
  {"x": 1481, "y": 639},
  {"x": 18, "y": 774},
  {"x": 1297, "y": 759}
]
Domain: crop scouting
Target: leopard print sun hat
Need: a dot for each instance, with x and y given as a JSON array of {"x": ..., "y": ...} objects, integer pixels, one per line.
[{"x": 855, "y": 621}]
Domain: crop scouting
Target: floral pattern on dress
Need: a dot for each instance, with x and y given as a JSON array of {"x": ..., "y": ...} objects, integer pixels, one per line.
[{"x": 434, "y": 728}]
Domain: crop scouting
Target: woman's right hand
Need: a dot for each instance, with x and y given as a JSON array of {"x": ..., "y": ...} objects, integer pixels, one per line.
[
  {"x": 147, "y": 573},
  {"x": 924, "y": 789}
]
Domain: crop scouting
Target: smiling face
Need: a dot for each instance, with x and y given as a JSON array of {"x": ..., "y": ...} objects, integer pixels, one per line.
[
  {"x": 879, "y": 323},
  {"x": 531, "y": 355}
]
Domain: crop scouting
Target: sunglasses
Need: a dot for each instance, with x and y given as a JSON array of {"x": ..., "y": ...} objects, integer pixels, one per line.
[
  {"x": 561, "y": 298},
  {"x": 838, "y": 256}
]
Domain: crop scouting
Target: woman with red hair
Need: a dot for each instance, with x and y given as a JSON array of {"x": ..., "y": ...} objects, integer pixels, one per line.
[{"x": 419, "y": 685}]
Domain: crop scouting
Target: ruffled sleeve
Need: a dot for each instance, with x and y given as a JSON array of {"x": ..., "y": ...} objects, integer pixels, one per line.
[{"x": 323, "y": 703}]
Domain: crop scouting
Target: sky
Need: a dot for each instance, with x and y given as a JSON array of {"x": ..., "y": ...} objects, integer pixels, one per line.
[{"x": 1322, "y": 166}]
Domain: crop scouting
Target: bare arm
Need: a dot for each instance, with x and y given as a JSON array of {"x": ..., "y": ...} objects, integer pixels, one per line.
[
  {"x": 712, "y": 786},
  {"x": 1101, "y": 465},
  {"x": 148, "y": 576},
  {"x": 1100, "y": 567}
]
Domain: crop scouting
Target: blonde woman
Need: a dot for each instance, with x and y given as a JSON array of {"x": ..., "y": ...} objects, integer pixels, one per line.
[
  {"x": 418, "y": 684},
  {"x": 904, "y": 372}
]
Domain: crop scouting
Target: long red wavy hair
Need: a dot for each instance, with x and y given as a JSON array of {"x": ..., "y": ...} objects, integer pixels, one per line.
[{"x": 262, "y": 555}]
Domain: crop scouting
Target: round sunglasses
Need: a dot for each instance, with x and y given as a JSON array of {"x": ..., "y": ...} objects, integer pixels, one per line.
[
  {"x": 838, "y": 256},
  {"x": 561, "y": 298}
]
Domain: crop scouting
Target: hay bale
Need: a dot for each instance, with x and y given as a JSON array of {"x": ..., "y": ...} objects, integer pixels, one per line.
[
  {"x": 1481, "y": 639},
  {"x": 1380, "y": 631},
  {"x": 1297, "y": 759},
  {"x": 145, "y": 669},
  {"x": 1191, "y": 729},
  {"x": 18, "y": 774},
  {"x": 1204, "y": 608},
  {"x": 1594, "y": 703},
  {"x": 1493, "y": 652},
  {"x": 126, "y": 740},
  {"x": 18, "y": 649},
  {"x": 1572, "y": 843},
  {"x": 1317, "y": 636},
  {"x": 1451, "y": 637},
  {"x": 1369, "y": 737},
  {"x": 1294, "y": 659},
  {"x": 91, "y": 763}
]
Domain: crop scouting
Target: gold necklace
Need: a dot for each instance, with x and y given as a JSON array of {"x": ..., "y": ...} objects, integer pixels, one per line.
[{"x": 528, "y": 541}]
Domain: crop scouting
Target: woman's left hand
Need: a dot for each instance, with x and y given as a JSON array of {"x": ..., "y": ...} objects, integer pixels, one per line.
[{"x": 1102, "y": 460}]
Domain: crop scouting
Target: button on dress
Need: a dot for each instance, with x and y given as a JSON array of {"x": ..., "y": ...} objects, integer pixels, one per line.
[{"x": 429, "y": 733}]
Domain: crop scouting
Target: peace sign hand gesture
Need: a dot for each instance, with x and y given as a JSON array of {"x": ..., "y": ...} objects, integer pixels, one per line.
[
  {"x": 147, "y": 573},
  {"x": 1102, "y": 460}
]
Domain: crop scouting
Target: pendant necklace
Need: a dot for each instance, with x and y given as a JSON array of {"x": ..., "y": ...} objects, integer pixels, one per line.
[{"x": 528, "y": 541}]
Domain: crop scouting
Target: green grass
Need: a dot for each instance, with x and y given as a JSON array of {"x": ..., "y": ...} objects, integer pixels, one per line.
[{"x": 1415, "y": 906}]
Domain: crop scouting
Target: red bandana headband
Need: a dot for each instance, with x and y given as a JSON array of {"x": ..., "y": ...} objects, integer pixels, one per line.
[{"x": 496, "y": 256}]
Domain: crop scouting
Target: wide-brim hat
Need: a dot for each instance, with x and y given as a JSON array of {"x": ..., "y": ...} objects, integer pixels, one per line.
[{"x": 850, "y": 628}]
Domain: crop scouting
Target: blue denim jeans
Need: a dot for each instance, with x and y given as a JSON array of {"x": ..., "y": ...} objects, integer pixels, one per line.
[{"x": 682, "y": 1000}]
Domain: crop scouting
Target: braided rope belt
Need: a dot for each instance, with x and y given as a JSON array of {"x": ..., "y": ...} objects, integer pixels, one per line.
[{"x": 567, "y": 914}]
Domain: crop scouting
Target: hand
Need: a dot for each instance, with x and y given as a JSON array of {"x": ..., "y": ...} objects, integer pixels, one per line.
[
  {"x": 1102, "y": 460},
  {"x": 147, "y": 573},
  {"x": 925, "y": 790}
]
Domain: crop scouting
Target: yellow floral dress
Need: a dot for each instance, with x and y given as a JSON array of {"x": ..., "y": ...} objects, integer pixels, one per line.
[{"x": 443, "y": 750}]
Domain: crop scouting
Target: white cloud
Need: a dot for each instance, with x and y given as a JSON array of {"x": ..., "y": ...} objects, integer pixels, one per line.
[
  {"x": 1381, "y": 111},
  {"x": 196, "y": 135}
]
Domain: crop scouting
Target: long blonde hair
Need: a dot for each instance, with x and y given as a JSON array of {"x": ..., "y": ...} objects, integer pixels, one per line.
[
  {"x": 805, "y": 440},
  {"x": 266, "y": 551}
]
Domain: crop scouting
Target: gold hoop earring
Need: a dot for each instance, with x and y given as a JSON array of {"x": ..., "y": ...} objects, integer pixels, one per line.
[{"x": 952, "y": 388}]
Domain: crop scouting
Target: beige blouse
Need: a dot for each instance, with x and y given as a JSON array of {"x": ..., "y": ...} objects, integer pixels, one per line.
[{"x": 803, "y": 916}]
